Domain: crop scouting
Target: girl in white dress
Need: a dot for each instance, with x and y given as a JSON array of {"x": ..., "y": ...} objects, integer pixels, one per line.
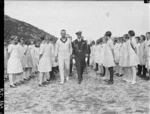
[
  {"x": 109, "y": 56},
  {"x": 101, "y": 57},
  {"x": 28, "y": 59},
  {"x": 44, "y": 66},
  {"x": 133, "y": 58},
  {"x": 32, "y": 51},
  {"x": 5, "y": 59},
  {"x": 37, "y": 54},
  {"x": 92, "y": 54},
  {"x": 124, "y": 58},
  {"x": 117, "y": 47},
  {"x": 14, "y": 65},
  {"x": 22, "y": 50}
]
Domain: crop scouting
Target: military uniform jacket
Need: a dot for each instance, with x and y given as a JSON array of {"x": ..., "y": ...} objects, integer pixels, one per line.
[{"x": 80, "y": 49}]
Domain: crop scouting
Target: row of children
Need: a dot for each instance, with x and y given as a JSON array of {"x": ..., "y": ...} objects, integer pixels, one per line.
[
  {"x": 22, "y": 60},
  {"x": 131, "y": 56}
]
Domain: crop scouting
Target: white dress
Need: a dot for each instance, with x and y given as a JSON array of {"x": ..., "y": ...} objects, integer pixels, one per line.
[
  {"x": 91, "y": 56},
  {"x": 14, "y": 65},
  {"x": 37, "y": 54},
  {"x": 108, "y": 56},
  {"x": 147, "y": 51},
  {"x": 141, "y": 54},
  {"x": 22, "y": 49},
  {"x": 5, "y": 57},
  {"x": 45, "y": 64},
  {"x": 133, "y": 58},
  {"x": 28, "y": 58},
  {"x": 32, "y": 52},
  {"x": 54, "y": 64},
  {"x": 117, "y": 52},
  {"x": 101, "y": 60},
  {"x": 97, "y": 54},
  {"x": 124, "y": 55}
]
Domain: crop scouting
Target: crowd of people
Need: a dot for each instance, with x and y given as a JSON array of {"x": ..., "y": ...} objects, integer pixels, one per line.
[{"x": 127, "y": 57}]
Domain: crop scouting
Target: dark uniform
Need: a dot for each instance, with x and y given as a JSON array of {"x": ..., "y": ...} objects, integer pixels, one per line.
[
  {"x": 79, "y": 53},
  {"x": 71, "y": 64}
]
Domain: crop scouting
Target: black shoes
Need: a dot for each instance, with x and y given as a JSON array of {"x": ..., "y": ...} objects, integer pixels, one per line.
[
  {"x": 79, "y": 82},
  {"x": 13, "y": 86},
  {"x": 108, "y": 82}
]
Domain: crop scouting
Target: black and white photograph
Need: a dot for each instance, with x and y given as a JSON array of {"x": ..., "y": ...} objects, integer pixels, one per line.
[{"x": 76, "y": 57}]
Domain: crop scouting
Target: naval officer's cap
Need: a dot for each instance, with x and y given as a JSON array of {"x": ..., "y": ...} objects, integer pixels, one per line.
[{"x": 79, "y": 33}]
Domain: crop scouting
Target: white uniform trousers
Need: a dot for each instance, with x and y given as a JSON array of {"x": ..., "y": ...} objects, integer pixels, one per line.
[{"x": 64, "y": 65}]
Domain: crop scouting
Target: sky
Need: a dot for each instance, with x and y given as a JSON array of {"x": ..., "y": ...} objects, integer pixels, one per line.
[{"x": 93, "y": 18}]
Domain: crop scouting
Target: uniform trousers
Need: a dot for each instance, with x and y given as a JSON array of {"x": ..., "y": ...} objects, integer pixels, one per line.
[
  {"x": 80, "y": 65},
  {"x": 64, "y": 65}
]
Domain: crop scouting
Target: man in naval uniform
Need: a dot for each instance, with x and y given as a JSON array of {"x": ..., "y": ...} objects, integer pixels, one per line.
[
  {"x": 80, "y": 55},
  {"x": 63, "y": 52}
]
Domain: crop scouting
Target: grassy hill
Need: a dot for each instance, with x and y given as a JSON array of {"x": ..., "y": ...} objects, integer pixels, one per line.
[{"x": 22, "y": 29}]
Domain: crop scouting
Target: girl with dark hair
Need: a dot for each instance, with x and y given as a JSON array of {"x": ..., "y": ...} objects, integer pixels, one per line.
[
  {"x": 133, "y": 58},
  {"x": 109, "y": 61},
  {"x": 22, "y": 49},
  {"x": 124, "y": 58},
  {"x": 14, "y": 65},
  {"x": 44, "y": 66},
  {"x": 28, "y": 60},
  {"x": 32, "y": 51},
  {"x": 118, "y": 69}
]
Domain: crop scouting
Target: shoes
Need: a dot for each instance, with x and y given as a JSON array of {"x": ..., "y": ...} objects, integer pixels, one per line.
[
  {"x": 109, "y": 82},
  {"x": 79, "y": 82},
  {"x": 117, "y": 74},
  {"x": 13, "y": 86},
  {"x": 40, "y": 85}
]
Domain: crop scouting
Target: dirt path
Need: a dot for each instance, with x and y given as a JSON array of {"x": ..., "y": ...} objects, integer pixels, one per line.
[{"x": 93, "y": 96}]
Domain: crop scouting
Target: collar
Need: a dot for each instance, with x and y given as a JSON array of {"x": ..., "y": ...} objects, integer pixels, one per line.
[{"x": 64, "y": 41}]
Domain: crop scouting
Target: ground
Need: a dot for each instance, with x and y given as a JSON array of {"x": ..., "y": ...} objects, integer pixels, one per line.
[{"x": 92, "y": 96}]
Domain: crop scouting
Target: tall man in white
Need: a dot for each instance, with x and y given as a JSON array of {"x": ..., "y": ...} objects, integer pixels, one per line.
[{"x": 62, "y": 54}]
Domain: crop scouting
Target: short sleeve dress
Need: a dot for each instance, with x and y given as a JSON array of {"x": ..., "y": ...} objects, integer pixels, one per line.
[
  {"x": 124, "y": 55},
  {"x": 45, "y": 64},
  {"x": 14, "y": 65},
  {"x": 5, "y": 57},
  {"x": 133, "y": 58},
  {"x": 108, "y": 56}
]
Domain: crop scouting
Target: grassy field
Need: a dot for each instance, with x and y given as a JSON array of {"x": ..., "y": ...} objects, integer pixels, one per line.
[{"x": 93, "y": 96}]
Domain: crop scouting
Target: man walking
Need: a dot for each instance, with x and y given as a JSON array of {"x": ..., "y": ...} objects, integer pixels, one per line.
[
  {"x": 62, "y": 54},
  {"x": 80, "y": 55}
]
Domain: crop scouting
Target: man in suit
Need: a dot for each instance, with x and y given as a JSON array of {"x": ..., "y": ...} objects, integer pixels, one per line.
[{"x": 80, "y": 55}]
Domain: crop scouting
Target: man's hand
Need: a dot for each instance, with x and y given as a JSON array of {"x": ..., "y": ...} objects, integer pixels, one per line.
[
  {"x": 86, "y": 59},
  {"x": 73, "y": 61},
  {"x": 56, "y": 59}
]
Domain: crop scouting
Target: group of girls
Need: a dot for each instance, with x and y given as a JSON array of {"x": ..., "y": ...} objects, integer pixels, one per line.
[
  {"x": 24, "y": 59},
  {"x": 131, "y": 56}
]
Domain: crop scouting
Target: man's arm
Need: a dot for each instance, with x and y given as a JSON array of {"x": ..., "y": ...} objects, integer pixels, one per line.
[
  {"x": 56, "y": 49},
  {"x": 70, "y": 47},
  {"x": 73, "y": 49}
]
